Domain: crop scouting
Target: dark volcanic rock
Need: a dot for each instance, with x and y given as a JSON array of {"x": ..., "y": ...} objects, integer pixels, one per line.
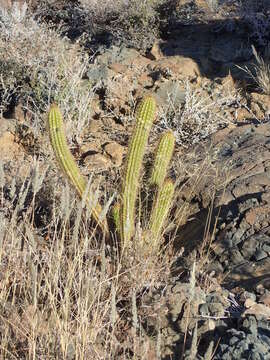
[
  {"x": 251, "y": 341},
  {"x": 241, "y": 206}
]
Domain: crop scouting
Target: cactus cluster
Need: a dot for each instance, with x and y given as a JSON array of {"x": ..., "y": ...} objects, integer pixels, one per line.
[
  {"x": 164, "y": 187},
  {"x": 124, "y": 212}
]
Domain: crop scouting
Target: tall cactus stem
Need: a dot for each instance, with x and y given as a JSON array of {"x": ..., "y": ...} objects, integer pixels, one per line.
[
  {"x": 162, "y": 159},
  {"x": 160, "y": 211},
  {"x": 68, "y": 164},
  {"x": 144, "y": 121}
]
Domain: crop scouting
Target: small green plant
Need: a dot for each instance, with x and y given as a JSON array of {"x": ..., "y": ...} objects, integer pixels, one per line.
[{"x": 124, "y": 211}]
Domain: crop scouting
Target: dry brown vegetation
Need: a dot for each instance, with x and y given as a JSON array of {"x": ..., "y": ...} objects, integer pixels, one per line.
[{"x": 65, "y": 293}]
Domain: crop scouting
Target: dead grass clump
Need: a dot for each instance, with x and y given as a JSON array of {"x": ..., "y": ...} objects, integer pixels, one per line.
[
  {"x": 64, "y": 294},
  {"x": 260, "y": 73}
]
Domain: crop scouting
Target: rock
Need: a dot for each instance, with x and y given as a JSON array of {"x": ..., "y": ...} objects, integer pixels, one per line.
[
  {"x": 9, "y": 149},
  {"x": 94, "y": 127},
  {"x": 121, "y": 55},
  {"x": 243, "y": 115},
  {"x": 97, "y": 73},
  {"x": 178, "y": 65},
  {"x": 115, "y": 152},
  {"x": 243, "y": 228},
  {"x": 259, "y": 310},
  {"x": 97, "y": 162},
  {"x": 170, "y": 92},
  {"x": 118, "y": 68},
  {"x": 265, "y": 299},
  {"x": 89, "y": 148},
  {"x": 226, "y": 49},
  {"x": 260, "y": 254},
  {"x": 156, "y": 52}
]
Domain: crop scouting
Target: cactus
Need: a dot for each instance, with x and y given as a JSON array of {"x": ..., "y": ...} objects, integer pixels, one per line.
[
  {"x": 123, "y": 213},
  {"x": 68, "y": 164},
  {"x": 163, "y": 157},
  {"x": 160, "y": 210},
  {"x": 144, "y": 121}
]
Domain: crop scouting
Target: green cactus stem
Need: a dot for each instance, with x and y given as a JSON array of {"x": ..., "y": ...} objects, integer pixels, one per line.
[
  {"x": 160, "y": 211},
  {"x": 68, "y": 164},
  {"x": 136, "y": 150},
  {"x": 163, "y": 157}
]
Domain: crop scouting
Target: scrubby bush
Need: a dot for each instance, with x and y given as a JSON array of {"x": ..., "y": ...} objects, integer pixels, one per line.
[
  {"x": 39, "y": 67},
  {"x": 133, "y": 23}
]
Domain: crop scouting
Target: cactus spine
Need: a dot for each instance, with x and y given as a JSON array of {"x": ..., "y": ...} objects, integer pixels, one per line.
[
  {"x": 67, "y": 162},
  {"x": 144, "y": 121},
  {"x": 163, "y": 157},
  {"x": 160, "y": 210}
]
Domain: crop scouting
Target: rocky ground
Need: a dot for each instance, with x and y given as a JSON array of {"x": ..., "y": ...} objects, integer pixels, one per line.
[{"x": 215, "y": 303}]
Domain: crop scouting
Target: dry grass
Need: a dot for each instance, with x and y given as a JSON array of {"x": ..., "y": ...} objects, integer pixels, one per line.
[
  {"x": 64, "y": 294},
  {"x": 260, "y": 73}
]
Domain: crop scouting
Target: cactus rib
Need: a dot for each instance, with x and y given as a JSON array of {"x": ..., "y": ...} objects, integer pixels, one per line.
[
  {"x": 160, "y": 210},
  {"x": 163, "y": 157},
  {"x": 144, "y": 121},
  {"x": 67, "y": 162}
]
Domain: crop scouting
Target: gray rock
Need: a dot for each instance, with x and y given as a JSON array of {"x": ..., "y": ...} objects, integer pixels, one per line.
[
  {"x": 260, "y": 254},
  {"x": 170, "y": 92},
  {"x": 97, "y": 73}
]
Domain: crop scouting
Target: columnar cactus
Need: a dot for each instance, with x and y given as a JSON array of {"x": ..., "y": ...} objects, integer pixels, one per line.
[
  {"x": 144, "y": 121},
  {"x": 160, "y": 210},
  {"x": 124, "y": 211},
  {"x": 163, "y": 157},
  {"x": 68, "y": 164}
]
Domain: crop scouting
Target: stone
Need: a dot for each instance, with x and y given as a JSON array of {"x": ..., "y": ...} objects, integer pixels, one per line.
[
  {"x": 9, "y": 149},
  {"x": 265, "y": 298},
  {"x": 115, "y": 152},
  {"x": 121, "y": 55},
  {"x": 170, "y": 91},
  {"x": 180, "y": 65},
  {"x": 97, "y": 162},
  {"x": 156, "y": 52},
  {"x": 260, "y": 254},
  {"x": 97, "y": 73},
  {"x": 243, "y": 115},
  {"x": 94, "y": 127},
  {"x": 118, "y": 68},
  {"x": 259, "y": 310}
]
